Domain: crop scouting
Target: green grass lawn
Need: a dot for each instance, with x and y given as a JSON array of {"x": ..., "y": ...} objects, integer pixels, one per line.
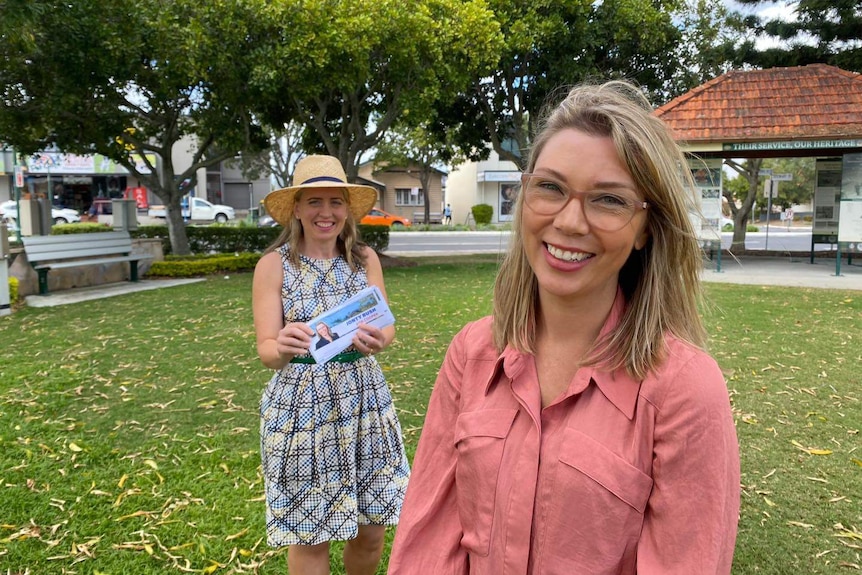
[{"x": 129, "y": 426}]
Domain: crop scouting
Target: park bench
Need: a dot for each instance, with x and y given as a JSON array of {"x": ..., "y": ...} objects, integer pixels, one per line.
[
  {"x": 46, "y": 253},
  {"x": 433, "y": 218}
]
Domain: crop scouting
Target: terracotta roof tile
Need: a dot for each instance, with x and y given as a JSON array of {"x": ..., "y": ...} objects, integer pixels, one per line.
[{"x": 804, "y": 102}]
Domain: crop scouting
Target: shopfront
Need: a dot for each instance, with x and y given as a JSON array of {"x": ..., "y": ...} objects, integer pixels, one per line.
[
  {"x": 500, "y": 188},
  {"x": 75, "y": 181}
]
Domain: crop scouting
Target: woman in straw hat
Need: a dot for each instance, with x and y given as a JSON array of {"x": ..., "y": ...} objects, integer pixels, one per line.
[
  {"x": 582, "y": 428},
  {"x": 332, "y": 452}
]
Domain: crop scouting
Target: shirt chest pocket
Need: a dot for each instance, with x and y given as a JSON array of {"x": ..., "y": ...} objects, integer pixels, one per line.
[
  {"x": 599, "y": 493},
  {"x": 480, "y": 437}
]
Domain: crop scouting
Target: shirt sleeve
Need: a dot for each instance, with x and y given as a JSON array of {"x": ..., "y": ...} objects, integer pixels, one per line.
[
  {"x": 428, "y": 536},
  {"x": 691, "y": 517}
]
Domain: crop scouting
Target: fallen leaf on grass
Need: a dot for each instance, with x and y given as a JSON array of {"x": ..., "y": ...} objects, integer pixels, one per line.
[
  {"x": 236, "y": 535},
  {"x": 138, "y": 513},
  {"x": 845, "y": 533},
  {"x": 811, "y": 450}
]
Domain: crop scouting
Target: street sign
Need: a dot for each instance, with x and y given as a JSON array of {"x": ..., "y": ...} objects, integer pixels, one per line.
[
  {"x": 770, "y": 188},
  {"x": 765, "y": 172},
  {"x": 19, "y": 177},
  {"x": 782, "y": 177}
]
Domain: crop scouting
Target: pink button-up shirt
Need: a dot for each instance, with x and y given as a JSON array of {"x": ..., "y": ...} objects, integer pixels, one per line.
[{"x": 615, "y": 476}]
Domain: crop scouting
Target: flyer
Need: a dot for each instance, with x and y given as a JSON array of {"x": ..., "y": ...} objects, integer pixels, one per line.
[{"x": 334, "y": 329}]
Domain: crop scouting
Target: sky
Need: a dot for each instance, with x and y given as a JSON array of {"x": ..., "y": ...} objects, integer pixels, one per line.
[{"x": 767, "y": 11}]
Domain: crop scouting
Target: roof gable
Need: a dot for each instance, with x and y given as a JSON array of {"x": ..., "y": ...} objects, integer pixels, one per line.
[{"x": 802, "y": 102}]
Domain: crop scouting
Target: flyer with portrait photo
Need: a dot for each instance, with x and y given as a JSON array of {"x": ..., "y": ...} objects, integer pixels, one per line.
[{"x": 334, "y": 329}]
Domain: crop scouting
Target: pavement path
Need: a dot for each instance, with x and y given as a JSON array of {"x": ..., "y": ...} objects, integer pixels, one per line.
[{"x": 786, "y": 271}]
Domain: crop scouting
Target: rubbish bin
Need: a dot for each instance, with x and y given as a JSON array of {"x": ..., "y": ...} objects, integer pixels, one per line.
[
  {"x": 125, "y": 214},
  {"x": 253, "y": 215}
]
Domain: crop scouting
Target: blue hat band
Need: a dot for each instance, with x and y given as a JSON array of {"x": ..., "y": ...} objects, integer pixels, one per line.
[{"x": 322, "y": 179}]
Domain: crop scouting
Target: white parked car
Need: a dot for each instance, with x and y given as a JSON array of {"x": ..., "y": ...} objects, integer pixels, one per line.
[
  {"x": 201, "y": 210},
  {"x": 59, "y": 215}
]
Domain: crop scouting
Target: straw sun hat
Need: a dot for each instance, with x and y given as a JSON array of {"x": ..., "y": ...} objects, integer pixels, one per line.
[{"x": 319, "y": 172}]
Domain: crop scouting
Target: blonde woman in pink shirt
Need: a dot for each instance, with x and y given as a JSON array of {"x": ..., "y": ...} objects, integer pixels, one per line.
[{"x": 582, "y": 429}]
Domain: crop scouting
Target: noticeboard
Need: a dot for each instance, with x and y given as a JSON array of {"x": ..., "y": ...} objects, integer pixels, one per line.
[
  {"x": 707, "y": 179},
  {"x": 850, "y": 204}
]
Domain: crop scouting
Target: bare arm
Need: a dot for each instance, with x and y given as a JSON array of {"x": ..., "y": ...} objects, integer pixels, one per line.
[
  {"x": 277, "y": 343},
  {"x": 370, "y": 339}
]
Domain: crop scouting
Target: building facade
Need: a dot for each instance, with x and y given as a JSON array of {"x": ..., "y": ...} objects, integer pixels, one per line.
[
  {"x": 493, "y": 181},
  {"x": 75, "y": 181},
  {"x": 399, "y": 189}
]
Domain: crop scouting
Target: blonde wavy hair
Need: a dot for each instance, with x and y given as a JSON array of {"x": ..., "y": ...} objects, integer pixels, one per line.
[
  {"x": 348, "y": 242},
  {"x": 661, "y": 282}
]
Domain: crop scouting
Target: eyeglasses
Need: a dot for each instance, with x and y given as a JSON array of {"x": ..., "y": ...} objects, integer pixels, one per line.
[{"x": 606, "y": 210}]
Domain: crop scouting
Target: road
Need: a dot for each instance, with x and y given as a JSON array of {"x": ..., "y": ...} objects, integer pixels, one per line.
[{"x": 435, "y": 243}]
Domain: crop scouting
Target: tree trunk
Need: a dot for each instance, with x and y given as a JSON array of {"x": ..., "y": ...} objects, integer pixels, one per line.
[
  {"x": 742, "y": 214},
  {"x": 177, "y": 227}
]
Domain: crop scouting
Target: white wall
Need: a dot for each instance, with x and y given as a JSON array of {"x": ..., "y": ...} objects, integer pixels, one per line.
[{"x": 474, "y": 183}]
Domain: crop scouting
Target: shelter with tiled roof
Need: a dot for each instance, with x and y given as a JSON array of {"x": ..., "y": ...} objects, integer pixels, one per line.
[{"x": 812, "y": 110}]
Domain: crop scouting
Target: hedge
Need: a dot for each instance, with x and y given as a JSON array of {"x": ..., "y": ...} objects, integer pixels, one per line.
[
  {"x": 191, "y": 266},
  {"x": 217, "y": 248},
  {"x": 238, "y": 239},
  {"x": 482, "y": 213}
]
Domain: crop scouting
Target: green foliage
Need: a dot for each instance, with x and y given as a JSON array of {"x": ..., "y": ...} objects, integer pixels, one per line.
[
  {"x": 13, "y": 289},
  {"x": 352, "y": 69},
  {"x": 377, "y": 237},
  {"x": 818, "y": 32},
  {"x": 482, "y": 213},
  {"x": 195, "y": 266},
  {"x": 79, "y": 228},
  {"x": 416, "y": 149},
  {"x": 710, "y": 34},
  {"x": 554, "y": 44},
  {"x": 238, "y": 239},
  {"x": 800, "y": 189},
  {"x": 111, "y": 78},
  {"x": 215, "y": 239}
]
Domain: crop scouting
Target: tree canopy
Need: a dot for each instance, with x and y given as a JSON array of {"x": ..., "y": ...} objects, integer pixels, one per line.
[
  {"x": 348, "y": 70},
  {"x": 814, "y": 31},
  {"x": 126, "y": 81},
  {"x": 552, "y": 44}
]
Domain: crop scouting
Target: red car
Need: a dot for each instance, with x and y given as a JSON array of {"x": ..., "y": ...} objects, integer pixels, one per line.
[{"x": 377, "y": 217}]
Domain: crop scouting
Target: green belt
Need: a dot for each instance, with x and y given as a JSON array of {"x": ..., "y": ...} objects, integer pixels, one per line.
[{"x": 345, "y": 357}]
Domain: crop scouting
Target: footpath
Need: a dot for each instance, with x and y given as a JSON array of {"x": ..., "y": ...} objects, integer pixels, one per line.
[{"x": 789, "y": 271}]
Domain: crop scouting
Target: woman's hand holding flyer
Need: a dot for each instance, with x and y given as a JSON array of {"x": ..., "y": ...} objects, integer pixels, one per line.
[{"x": 366, "y": 307}]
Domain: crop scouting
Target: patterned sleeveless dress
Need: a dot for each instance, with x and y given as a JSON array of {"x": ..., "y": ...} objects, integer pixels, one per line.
[{"x": 331, "y": 445}]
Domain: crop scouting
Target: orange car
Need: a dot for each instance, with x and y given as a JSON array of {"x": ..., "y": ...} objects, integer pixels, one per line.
[{"x": 377, "y": 217}]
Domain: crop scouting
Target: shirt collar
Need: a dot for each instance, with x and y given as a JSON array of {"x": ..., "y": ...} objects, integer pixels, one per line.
[{"x": 617, "y": 385}]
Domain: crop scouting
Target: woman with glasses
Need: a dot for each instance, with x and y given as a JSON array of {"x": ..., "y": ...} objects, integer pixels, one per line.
[{"x": 582, "y": 428}]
